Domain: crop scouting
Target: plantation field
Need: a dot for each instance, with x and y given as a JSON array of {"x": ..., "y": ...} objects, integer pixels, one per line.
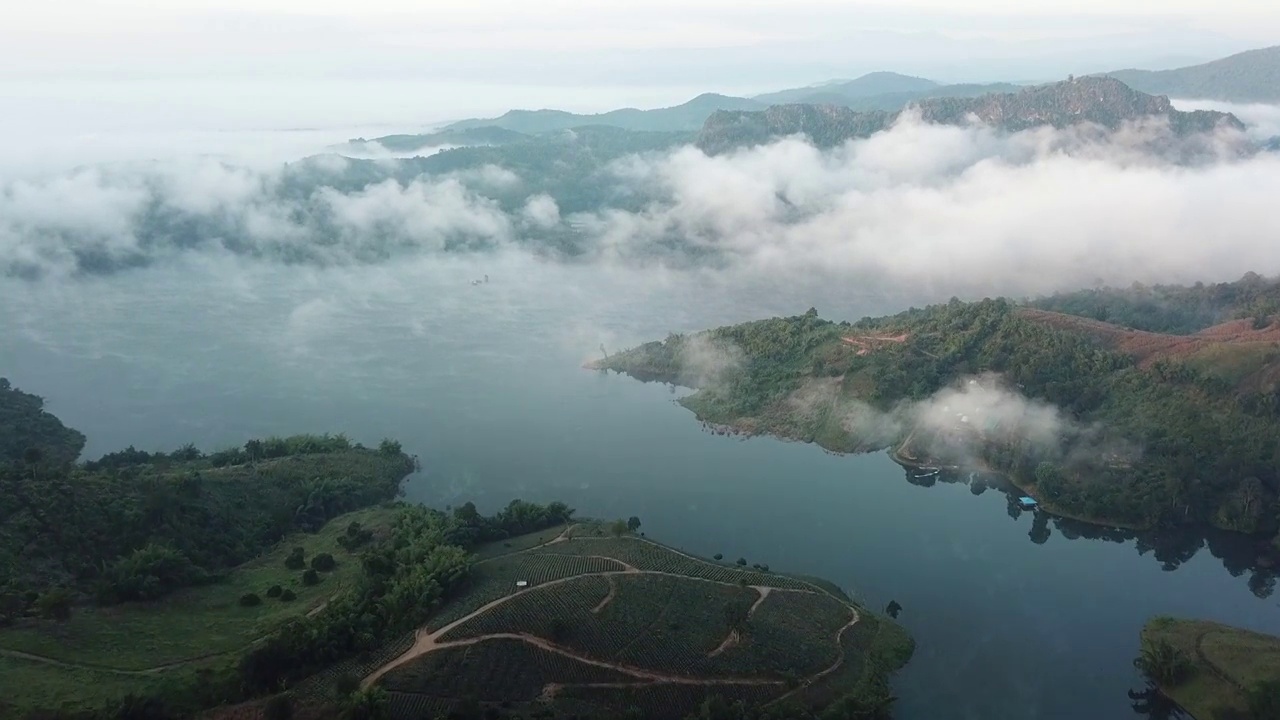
[
  {"x": 645, "y": 555},
  {"x": 416, "y": 706},
  {"x": 199, "y": 622},
  {"x": 320, "y": 685},
  {"x": 494, "y": 671},
  {"x": 497, "y": 578},
  {"x": 665, "y": 701},
  {"x": 546, "y": 612},
  {"x": 790, "y": 634}
]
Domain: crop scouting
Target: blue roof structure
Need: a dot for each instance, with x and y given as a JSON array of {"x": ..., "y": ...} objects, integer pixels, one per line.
[{"x": 1027, "y": 502}]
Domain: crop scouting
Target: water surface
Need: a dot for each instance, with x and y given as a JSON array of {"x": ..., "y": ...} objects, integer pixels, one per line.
[{"x": 484, "y": 384}]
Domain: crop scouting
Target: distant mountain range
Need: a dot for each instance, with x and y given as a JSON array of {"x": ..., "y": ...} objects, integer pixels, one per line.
[
  {"x": 1248, "y": 77},
  {"x": 1103, "y": 101},
  {"x": 1252, "y": 76}
]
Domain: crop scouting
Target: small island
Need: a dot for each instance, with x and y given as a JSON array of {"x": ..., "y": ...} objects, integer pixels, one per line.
[
  {"x": 282, "y": 579},
  {"x": 1213, "y": 671}
]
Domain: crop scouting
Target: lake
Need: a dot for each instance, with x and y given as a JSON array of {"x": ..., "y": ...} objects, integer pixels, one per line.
[{"x": 484, "y": 383}]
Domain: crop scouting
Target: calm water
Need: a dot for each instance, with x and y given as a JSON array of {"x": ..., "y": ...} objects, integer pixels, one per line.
[{"x": 484, "y": 384}]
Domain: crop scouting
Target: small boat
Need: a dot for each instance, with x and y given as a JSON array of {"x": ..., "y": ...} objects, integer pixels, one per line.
[{"x": 1028, "y": 503}]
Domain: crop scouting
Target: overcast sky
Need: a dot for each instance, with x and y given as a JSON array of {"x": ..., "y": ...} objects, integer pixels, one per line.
[{"x": 726, "y": 43}]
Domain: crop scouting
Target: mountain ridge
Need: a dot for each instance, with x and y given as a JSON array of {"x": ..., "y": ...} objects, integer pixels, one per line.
[
  {"x": 1249, "y": 77},
  {"x": 1099, "y": 100}
]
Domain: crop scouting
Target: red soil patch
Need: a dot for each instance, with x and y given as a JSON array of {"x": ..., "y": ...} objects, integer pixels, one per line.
[
  {"x": 1148, "y": 347},
  {"x": 867, "y": 343}
]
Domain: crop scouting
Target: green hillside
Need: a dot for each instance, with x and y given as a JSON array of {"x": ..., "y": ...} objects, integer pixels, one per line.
[
  {"x": 1247, "y": 77},
  {"x": 1101, "y": 423},
  {"x": 601, "y": 626},
  {"x": 685, "y": 117},
  {"x": 26, "y": 428},
  {"x": 1213, "y": 671}
]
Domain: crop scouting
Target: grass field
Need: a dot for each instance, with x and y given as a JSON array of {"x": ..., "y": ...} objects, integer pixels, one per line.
[
  {"x": 1225, "y": 659},
  {"x": 790, "y": 634},
  {"x": 195, "y": 627},
  {"x": 498, "y": 548}
]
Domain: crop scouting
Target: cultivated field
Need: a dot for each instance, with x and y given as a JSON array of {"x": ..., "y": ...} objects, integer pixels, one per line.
[
  {"x": 1226, "y": 661},
  {"x": 601, "y": 625}
]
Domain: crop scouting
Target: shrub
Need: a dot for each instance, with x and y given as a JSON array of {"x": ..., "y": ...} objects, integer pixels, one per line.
[
  {"x": 345, "y": 684},
  {"x": 719, "y": 556},
  {"x": 274, "y": 591},
  {"x": 250, "y": 600},
  {"x": 323, "y": 562},
  {"x": 742, "y": 562},
  {"x": 279, "y": 707},
  {"x": 1164, "y": 663},
  {"x": 310, "y": 577},
  {"x": 288, "y": 596},
  {"x": 296, "y": 560},
  {"x": 54, "y": 604},
  {"x": 149, "y": 573}
]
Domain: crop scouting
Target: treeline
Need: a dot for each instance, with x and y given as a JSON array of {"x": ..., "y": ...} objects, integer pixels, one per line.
[
  {"x": 1177, "y": 309},
  {"x": 136, "y": 525}
]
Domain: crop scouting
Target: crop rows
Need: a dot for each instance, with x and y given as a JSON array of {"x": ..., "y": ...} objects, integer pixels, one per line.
[
  {"x": 321, "y": 684},
  {"x": 830, "y": 688},
  {"x": 692, "y": 625},
  {"x": 790, "y": 633},
  {"x": 667, "y": 701},
  {"x": 645, "y": 555},
  {"x": 496, "y": 579},
  {"x": 493, "y": 671},
  {"x": 414, "y": 706},
  {"x": 547, "y": 612}
]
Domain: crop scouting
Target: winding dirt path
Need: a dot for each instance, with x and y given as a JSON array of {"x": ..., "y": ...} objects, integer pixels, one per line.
[
  {"x": 613, "y": 592},
  {"x": 734, "y": 637},
  {"x": 426, "y": 641},
  {"x": 834, "y": 666}
]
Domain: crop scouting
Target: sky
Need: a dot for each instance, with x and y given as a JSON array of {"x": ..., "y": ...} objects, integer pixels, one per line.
[{"x": 723, "y": 44}]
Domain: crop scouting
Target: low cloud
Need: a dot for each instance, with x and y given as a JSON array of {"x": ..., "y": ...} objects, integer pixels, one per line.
[
  {"x": 933, "y": 210},
  {"x": 708, "y": 362}
]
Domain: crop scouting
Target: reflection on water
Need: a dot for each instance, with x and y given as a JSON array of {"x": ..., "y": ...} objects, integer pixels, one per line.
[{"x": 1170, "y": 547}]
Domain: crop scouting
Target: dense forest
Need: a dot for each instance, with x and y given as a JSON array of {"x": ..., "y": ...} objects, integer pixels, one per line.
[
  {"x": 1178, "y": 309},
  {"x": 135, "y": 525},
  {"x": 1165, "y": 442}
]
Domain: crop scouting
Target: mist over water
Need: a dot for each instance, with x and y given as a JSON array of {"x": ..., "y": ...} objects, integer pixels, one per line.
[{"x": 484, "y": 381}]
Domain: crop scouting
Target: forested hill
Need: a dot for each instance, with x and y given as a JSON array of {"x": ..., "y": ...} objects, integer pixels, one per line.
[
  {"x": 1103, "y": 101},
  {"x": 26, "y": 427},
  {"x": 684, "y": 117},
  {"x": 135, "y": 525},
  {"x": 1247, "y": 77},
  {"x": 1178, "y": 309},
  {"x": 1098, "y": 421}
]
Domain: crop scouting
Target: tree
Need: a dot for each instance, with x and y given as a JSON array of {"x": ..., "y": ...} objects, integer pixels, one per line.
[
  {"x": 368, "y": 704},
  {"x": 736, "y": 616},
  {"x": 274, "y": 591},
  {"x": 310, "y": 577},
  {"x": 250, "y": 600},
  {"x": 297, "y": 559},
  {"x": 344, "y": 685},
  {"x": 1163, "y": 663},
  {"x": 288, "y": 596},
  {"x": 742, "y": 562},
  {"x": 389, "y": 447},
  {"x": 718, "y": 556},
  {"x": 323, "y": 562},
  {"x": 54, "y": 604},
  {"x": 633, "y": 524},
  {"x": 618, "y": 528}
]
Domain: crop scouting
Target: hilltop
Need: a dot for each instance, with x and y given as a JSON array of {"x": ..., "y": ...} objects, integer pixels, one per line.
[
  {"x": 1103, "y": 423},
  {"x": 1213, "y": 670},
  {"x": 606, "y": 625},
  {"x": 1247, "y": 77},
  {"x": 869, "y": 85},
  {"x": 1103, "y": 101},
  {"x": 684, "y": 117}
]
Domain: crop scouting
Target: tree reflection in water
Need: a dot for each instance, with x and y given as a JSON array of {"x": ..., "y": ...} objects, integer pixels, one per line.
[
  {"x": 1171, "y": 547},
  {"x": 1153, "y": 704}
]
